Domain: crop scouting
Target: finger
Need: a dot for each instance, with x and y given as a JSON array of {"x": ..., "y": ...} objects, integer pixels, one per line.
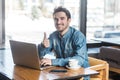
[
  {"x": 42, "y": 62},
  {"x": 47, "y": 43},
  {"x": 46, "y": 64},
  {"x": 45, "y": 36}
]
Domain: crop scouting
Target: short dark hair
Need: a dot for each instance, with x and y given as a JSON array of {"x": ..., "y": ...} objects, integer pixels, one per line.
[{"x": 62, "y": 9}]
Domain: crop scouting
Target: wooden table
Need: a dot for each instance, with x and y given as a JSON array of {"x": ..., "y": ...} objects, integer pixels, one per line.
[
  {"x": 10, "y": 71},
  {"x": 24, "y": 73}
]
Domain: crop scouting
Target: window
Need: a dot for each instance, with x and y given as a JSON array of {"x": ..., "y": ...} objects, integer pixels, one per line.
[
  {"x": 28, "y": 19},
  {"x": 103, "y": 19},
  {"x": 95, "y": 17}
]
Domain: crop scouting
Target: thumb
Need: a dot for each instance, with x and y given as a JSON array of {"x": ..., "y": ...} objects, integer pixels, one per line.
[{"x": 45, "y": 36}]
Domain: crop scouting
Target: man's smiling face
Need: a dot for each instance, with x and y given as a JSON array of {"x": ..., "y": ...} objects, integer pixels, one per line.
[{"x": 61, "y": 21}]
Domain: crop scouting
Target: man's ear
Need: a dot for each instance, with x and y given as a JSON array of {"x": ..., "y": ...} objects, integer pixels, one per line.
[{"x": 69, "y": 20}]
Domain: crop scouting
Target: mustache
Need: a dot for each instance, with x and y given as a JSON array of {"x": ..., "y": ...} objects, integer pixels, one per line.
[{"x": 59, "y": 24}]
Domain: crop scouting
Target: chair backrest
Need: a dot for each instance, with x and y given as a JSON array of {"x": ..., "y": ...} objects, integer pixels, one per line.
[
  {"x": 101, "y": 66},
  {"x": 111, "y": 55}
]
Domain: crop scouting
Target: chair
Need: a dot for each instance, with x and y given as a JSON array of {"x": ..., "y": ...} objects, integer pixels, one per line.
[
  {"x": 111, "y": 55},
  {"x": 101, "y": 66}
]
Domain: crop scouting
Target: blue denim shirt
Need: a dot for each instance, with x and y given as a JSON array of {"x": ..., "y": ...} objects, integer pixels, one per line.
[{"x": 71, "y": 45}]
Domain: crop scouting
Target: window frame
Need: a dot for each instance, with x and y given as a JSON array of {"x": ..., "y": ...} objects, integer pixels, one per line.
[
  {"x": 83, "y": 25},
  {"x": 2, "y": 22}
]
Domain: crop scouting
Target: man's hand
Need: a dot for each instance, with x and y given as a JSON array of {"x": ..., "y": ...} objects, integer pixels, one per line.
[
  {"x": 45, "y": 42},
  {"x": 46, "y": 61}
]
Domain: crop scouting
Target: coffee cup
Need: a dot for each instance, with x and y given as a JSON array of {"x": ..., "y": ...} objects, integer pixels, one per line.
[{"x": 73, "y": 63}]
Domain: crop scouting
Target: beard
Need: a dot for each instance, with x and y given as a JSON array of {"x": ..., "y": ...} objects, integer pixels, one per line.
[{"x": 61, "y": 27}]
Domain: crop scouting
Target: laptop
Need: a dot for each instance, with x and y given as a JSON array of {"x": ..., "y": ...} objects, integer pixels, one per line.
[{"x": 26, "y": 54}]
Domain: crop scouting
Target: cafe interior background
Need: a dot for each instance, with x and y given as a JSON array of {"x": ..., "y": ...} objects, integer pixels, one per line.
[{"x": 27, "y": 20}]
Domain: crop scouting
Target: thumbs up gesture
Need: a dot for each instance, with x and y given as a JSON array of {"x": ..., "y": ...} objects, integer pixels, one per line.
[{"x": 45, "y": 42}]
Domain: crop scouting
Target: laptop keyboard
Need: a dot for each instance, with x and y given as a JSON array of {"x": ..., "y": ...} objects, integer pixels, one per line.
[{"x": 45, "y": 67}]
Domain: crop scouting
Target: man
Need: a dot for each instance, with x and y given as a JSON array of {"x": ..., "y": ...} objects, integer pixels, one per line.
[{"x": 66, "y": 42}]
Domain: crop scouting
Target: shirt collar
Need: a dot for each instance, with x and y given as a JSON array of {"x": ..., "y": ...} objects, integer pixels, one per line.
[{"x": 66, "y": 34}]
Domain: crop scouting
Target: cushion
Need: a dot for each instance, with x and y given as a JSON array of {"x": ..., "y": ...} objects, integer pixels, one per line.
[{"x": 111, "y": 55}]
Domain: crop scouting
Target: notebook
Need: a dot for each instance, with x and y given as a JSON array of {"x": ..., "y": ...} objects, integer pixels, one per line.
[{"x": 26, "y": 54}]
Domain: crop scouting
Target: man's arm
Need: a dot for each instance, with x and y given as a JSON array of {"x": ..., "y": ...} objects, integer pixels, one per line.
[{"x": 44, "y": 47}]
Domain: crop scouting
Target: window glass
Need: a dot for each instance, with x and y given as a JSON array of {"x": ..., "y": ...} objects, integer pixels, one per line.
[
  {"x": 103, "y": 19},
  {"x": 28, "y": 19},
  {"x": 95, "y": 17}
]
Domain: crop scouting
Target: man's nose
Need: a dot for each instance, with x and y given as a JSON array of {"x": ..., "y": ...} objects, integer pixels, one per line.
[{"x": 58, "y": 21}]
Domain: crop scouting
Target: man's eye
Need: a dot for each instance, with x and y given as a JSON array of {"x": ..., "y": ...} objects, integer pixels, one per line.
[
  {"x": 62, "y": 18},
  {"x": 56, "y": 19}
]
